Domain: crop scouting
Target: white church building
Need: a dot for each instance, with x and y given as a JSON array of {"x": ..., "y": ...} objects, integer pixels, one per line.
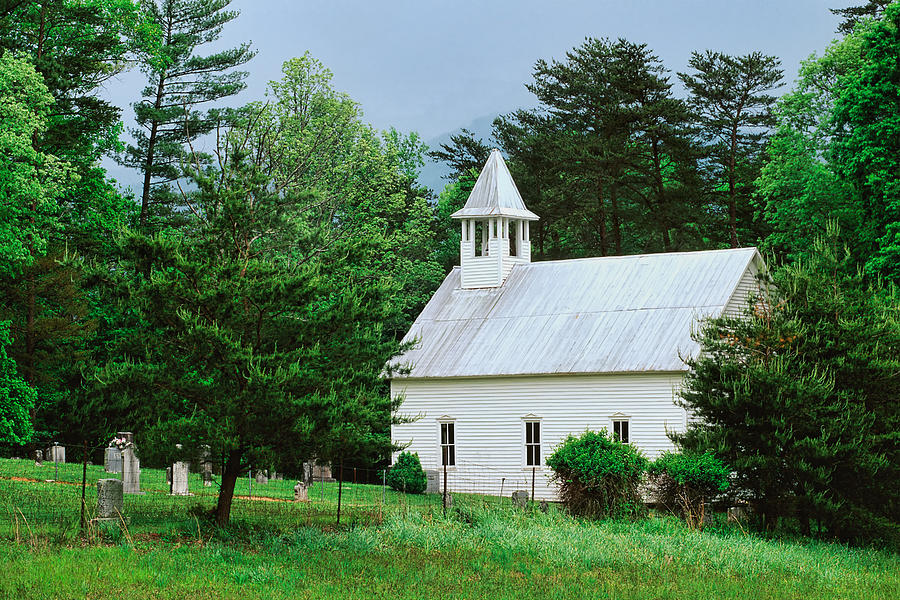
[{"x": 512, "y": 356}]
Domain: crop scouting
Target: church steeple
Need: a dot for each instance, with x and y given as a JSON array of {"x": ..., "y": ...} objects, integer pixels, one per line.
[{"x": 495, "y": 227}]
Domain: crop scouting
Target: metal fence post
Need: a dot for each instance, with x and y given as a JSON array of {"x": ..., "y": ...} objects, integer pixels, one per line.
[
  {"x": 340, "y": 485},
  {"x": 83, "y": 481},
  {"x": 533, "y": 469},
  {"x": 445, "y": 488}
]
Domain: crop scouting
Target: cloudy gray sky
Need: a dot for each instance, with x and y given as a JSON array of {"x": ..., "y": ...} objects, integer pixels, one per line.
[{"x": 433, "y": 66}]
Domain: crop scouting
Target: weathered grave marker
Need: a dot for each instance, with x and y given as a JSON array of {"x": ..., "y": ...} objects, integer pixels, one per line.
[
  {"x": 261, "y": 477},
  {"x": 520, "y": 498},
  {"x": 206, "y": 466},
  {"x": 301, "y": 493},
  {"x": 110, "y": 500},
  {"x": 112, "y": 460},
  {"x": 131, "y": 471}
]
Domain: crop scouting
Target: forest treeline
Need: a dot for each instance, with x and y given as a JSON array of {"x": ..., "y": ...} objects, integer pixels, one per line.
[{"x": 255, "y": 285}]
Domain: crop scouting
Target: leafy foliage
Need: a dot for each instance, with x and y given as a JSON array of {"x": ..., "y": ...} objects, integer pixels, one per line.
[
  {"x": 686, "y": 481},
  {"x": 31, "y": 181},
  {"x": 407, "y": 475},
  {"x": 867, "y": 135},
  {"x": 598, "y": 476},
  {"x": 17, "y": 398}
]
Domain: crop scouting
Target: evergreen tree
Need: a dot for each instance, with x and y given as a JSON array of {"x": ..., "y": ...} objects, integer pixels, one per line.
[
  {"x": 249, "y": 335},
  {"x": 76, "y": 46},
  {"x": 464, "y": 153},
  {"x": 731, "y": 96},
  {"x": 799, "y": 396},
  {"x": 854, "y": 14},
  {"x": 180, "y": 81},
  {"x": 609, "y": 159}
]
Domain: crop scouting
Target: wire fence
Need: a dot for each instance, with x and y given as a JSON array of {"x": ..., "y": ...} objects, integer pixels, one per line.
[{"x": 55, "y": 498}]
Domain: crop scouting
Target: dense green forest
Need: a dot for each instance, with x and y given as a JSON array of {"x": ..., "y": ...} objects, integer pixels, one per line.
[{"x": 252, "y": 293}]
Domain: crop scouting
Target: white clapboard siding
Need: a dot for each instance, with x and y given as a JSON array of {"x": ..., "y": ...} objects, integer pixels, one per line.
[
  {"x": 481, "y": 271},
  {"x": 747, "y": 286},
  {"x": 488, "y": 415}
]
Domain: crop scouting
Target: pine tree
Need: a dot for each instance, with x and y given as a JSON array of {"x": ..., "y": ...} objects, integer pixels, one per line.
[
  {"x": 180, "y": 81},
  {"x": 731, "y": 96},
  {"x": 464, "y": 153},
  {"x": 799, "y": 396}
]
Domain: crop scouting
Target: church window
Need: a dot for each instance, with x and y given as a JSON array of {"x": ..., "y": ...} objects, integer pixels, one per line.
[{"x": 448, "y": 443}]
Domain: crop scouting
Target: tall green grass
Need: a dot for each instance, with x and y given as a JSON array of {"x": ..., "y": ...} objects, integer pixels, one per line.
[
  {"x": 471, "y": 554},
  {"x": 480, "y": 549}
]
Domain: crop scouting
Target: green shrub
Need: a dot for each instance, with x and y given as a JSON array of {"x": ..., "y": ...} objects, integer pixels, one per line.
[
  {"x": 407, "y": 475},
  {"x": 598, "y": 476},
  {"x": 685, "y": 482}
]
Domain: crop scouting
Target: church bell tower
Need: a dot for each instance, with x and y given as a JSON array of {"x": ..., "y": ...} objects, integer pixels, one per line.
[{"x": 495, "y": 227}]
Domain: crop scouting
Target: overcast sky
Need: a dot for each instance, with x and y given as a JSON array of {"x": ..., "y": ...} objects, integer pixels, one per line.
[{"x": 433, "y": 66}]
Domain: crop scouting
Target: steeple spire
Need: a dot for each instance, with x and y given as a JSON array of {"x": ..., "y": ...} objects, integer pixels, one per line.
[{"x": 495, "y": 227}]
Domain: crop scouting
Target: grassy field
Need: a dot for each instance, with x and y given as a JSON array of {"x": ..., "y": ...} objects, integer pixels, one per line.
[{"x": 479, "y": 550}]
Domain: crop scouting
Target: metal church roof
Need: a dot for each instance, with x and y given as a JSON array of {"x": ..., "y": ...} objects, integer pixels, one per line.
[
  {"x": 594, "y": 315},
  {"x": 495, "y": 194}
]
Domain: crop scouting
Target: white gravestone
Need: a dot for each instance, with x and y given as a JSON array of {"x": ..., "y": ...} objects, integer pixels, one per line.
[
  {"x": 180, "y": 479},
  {"x": 262, "y": 478},
  {"x": 112, "y": 460},
  {"x": 131, "y": 471},
  {"x": 56, "y": 454}
]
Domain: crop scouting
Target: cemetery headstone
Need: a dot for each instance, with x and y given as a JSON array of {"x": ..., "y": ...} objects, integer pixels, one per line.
[
  {"x": 169, "y": 477},
  {"x": 38, "y": 457},
  {"x": 57, "y": 453},
  {"x": 520, "y": 498},
  {"x": 261, "y": 477},
  {"x": 131, "y": 471},
  {"x": 206, "y": 466},
  {"x": 301, "y": 493},
  {"x": 110, "y": 502},
  {"x": 180, "y": 479},
  {"x": 112, "y": 460},
  {"x": 432, "y": 481},
  {"x": 738, "y": 513}
]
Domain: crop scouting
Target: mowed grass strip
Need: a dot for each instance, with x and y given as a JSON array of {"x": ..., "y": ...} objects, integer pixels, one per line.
[{"x": 486, "y": 554}]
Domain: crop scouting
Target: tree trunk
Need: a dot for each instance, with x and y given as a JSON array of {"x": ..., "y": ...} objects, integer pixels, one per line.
[
  {"x": 340, "y": 486},
  {"x": 616, "y": 221},
  {"x": 151, "y": 147},
  {"x": 660, "y": 217},
  {"x": 732, "y": 201},
  {"x": 601, "y": 213},
  {"x": 230, "y": 474}
]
